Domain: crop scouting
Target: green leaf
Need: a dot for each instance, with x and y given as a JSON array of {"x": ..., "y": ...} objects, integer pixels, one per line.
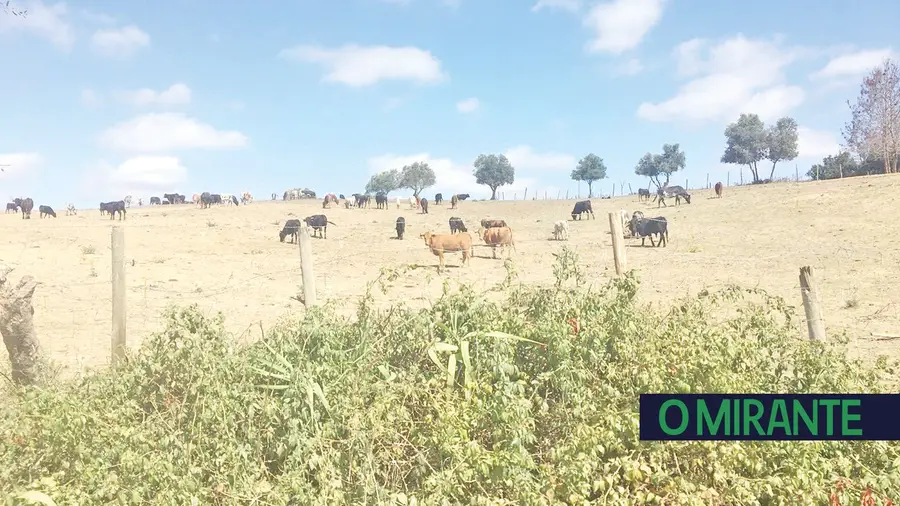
[
  {"x": 451, "y": 369},
  {"x": 443, "y": 347},
  {"x": 36, "y": 497}
]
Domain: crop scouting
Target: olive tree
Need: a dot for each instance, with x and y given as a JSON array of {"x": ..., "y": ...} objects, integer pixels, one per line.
[
  {"x": 655, "y": 166},
  {"x": 590, "y": 168},
  {"x": 384, "y": 182},
  {"x": 493, "y": 171},
  {"x": 748, "y": 142},
  {"x": 417, "y": 176}
]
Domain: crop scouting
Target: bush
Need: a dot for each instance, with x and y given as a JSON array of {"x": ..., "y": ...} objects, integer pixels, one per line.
[{"x": 532, "y": 401}]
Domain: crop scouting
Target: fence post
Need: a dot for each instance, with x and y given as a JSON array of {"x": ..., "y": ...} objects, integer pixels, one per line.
[
  {"x": 613, "y": 193},
  {"x": 545, "y": 194},
  {"x": 728, "y": 183},
  {"x": 686, "y": 187},
  {"x": 306, "y": 266},
  {"x": 525, "y": 197},
  {"x": 809, "y": 290},
  {"x": 618, "y": 242},
  {"x": 557, "y": 194},
  {"x": 567, "y": 194},
  {"x": 707, "y": 180},
  {"x": 118, "y": 294},
  {"x": 630, "y": 191}
]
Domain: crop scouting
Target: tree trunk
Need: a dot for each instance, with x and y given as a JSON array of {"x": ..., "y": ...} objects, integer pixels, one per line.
[
  {"x": 494, "y": 192},
  {"x": 590, "y": 189},
  {"x": 772, "y": 174},
  {"x": 17, "y": 328}
]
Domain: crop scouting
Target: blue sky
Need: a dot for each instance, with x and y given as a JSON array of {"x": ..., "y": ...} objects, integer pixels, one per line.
[{"x": 103, "y": 99}]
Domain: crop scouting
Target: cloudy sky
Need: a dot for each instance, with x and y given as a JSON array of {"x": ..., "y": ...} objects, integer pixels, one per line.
[{"x": 145, "y": 97}]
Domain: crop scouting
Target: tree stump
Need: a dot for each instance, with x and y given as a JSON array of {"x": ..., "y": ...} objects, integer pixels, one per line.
[{"x": 17, "y": 328}]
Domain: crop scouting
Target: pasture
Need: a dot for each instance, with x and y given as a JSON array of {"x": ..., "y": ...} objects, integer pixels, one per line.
[{"x": 229, "y": 259}]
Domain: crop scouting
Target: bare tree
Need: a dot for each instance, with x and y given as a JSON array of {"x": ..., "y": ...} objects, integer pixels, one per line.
[
  {"x": 11, "y": 9},
  {"x": 874, "y": 126}
]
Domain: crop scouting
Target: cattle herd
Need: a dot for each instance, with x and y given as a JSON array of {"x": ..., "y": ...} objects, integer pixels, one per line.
[{"x": 495, "y": 233}]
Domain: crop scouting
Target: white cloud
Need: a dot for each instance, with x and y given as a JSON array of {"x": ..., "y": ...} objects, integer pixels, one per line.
[
  {"x": 525, "y": 159},
  {"x": 120, "y": 42},
  {"x": 816, "y": 143},
  {"x": 854, "y": 64},
  {"x": 149, "y": 173},
  {"x": 565, "y": 5},
  {"x": 359, "y": 66},
  {"x": 14, "y": 165},
  {"x": 46, "y": 21},
  {"x": 468, "y": 105},
  {"x": 620, "y": 25},
  {"x": 98, "y": 18},
  {"x": 90, "y": 98},
  {"x": 631, "y": 67},
  {"x": 168, "y": 132},
  {"x": 737, "y": 75},
  {"x": 177, "y": 94}
]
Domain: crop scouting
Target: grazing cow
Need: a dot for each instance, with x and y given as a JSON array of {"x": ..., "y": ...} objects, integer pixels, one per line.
[
  {"x": 438, "y": 198},
  {"x": 424, "y": 205},
  {"x": 719, "y": 190},
  {"x": 401, "y": 227},
  {"x": 462, "y": 196},
  {"x": 457, "y": 225},
  {"x": 205, "y": 200},
  {"x": 291, "y": 228},
  {"x": 215, "y": 198},
  {"x": 672, "y": 191},
  {"x": 561, "y": 230},
  {"x": 166, "y": 202},
  {"x": 581, "y": 207},
  {"x": 114, "y": 207},
  {"x": 498, "y": 236},
  {"x": 643, "y": 194},
  {"x": 127, "y": 200},
  {"x": 246, "y": 198},
  {"x": 643, "y": 227},
  {"x": 196, "y": 199},
  {"x": 274, "y": 196},
  {"x": 486, "y": 223},
  {"x": 225, "y": 199},
  {"x": 155, "y": 200},
  {"x": 140, "y": 201},
  {"x": 319, "y": 223},
  {"x": 329, "y": 198},
  {"x": 26, "y": 205},
  {"x": 70, "y": 209},
  {"x": 46, "y": 211},
  {"x": 381, "y": 201},
  {"x": 12, "y": 207},
  {"x": 453, "y": 201},
  {"x": 440, "y": 243},
  {"x": 171, "y": 197},
  {"x": 234, "y": 200},
  {"x": 362, "y": 200}
]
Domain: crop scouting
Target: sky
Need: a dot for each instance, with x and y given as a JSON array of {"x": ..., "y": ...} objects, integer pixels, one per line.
[{"x": 103, "y": 99}]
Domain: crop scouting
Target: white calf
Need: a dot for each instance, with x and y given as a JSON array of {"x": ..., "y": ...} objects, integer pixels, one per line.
[
  {"x": 561, "y": 230},
  {"x": 70, "y": 209},
  {"x": 226, "y": 199}
]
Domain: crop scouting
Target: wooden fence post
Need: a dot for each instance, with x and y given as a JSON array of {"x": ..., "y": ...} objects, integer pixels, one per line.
[
  {"x": 613, "y": 193},
  {"x": 306, "y": 267},
  {"x": 118, "y": 294},
  {"x": 728, "y": 183},
  {"x": 618, "y": 242},
  {"x": 525, "y": 197},
  {"x": 686, "y": 184},
  {"x": 707, "y": 180},
  {"x": 557, "y": 194},
  {"x": 567, "y": 194},
  {"x": 630, "y": 191},
  {"x": 809, "y": 290}
]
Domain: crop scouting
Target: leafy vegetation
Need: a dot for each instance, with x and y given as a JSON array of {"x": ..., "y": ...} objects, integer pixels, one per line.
[
  {"x": 843, "y": 165},
  {"x": 749, "y": 142},
  {"x": 872, "y": 131},
  {"x": 655, "y": 166},
  {"x": 384, "y": 182},
  {"x": 530, "y": 401},
  {"x": 493, "y": 171},
  {"x": 417, "y": 176},
  {"x": 590, "y": 168}
]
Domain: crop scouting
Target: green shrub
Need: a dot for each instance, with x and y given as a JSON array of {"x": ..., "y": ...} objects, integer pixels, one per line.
[{"x": 468, "y": 402}]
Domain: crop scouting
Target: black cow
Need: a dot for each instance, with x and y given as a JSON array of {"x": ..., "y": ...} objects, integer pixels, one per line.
[
  {"x": 643, "y": 227},
  {"x": 205, "y": 200},
  {"x": 165, "y": 202},
  {"x": 582, "y": 207},
  {"x": 462, "y": 196},
  {"x": 171, "y": 197},
  {"x": 672, "y": 191},
  {"x": 381, "y": 201},
  {"x": 114, "y": 207},
  {"x": 341, "y": 196},
  {"x": 319, "y": 224},
  {"x": 362, "y": 200},
  {"x": 438, "y": 198},
  {"x": 215, "y": 198},
  {"x": 643, "y": 194},
  {"x": 457, "y": 225},
  {"x": 291, "y": 227},
  {"x": 401, "y": 227},
  {"x": 234, "y": 200},
  {"x": 12, "y": 206},
  {"x": 492, "y": 223},
  {"x": 424, "y": 204},
  {"x": 47, "y": 211},
  {"x": 26, "y": 205},
  {"x": 155, "y": 200}
]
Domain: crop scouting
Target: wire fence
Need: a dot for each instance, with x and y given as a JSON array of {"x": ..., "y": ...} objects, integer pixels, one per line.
[{"x": 236, "y": 264}]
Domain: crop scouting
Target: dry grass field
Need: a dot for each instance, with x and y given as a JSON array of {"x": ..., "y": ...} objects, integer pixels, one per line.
[{"x": 229, "y": 259}]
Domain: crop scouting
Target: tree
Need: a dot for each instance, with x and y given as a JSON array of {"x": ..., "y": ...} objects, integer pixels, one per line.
[
  {"x": 493, "y": 171},
  {"x": 11, "y": 9},
  {"x": 746, "y": 143},
  {"x": 417, "y": 177},
  {"x": 843, "y": 165},
  {"x": 874, "y": 127},
  {"x": 384, "y": 182},
  {"x": 781, "y": 142},
  {"x": 590, "y": 168},
  {"x": 655, "y": 166}
]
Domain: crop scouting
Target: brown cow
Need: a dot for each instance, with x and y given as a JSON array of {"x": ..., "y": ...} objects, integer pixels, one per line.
[
  {"x": 439, "y": 243},
  {"x": 719, "y": 189},
  {"x": 497, "y": 236},
  {"x": 329, "y": 198}
]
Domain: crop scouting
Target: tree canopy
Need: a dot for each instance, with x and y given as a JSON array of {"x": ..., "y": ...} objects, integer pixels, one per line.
[
  {"x": 493, "y": 171},
  {"x": 748, "y": 142},
  {"x": 655, "y": 166},
  {"x": 874, "y": 127},
  {"x": 417, "y": 176},
  {"x": 384, "y": 182},
  {"x": 590, "y": 168}
]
